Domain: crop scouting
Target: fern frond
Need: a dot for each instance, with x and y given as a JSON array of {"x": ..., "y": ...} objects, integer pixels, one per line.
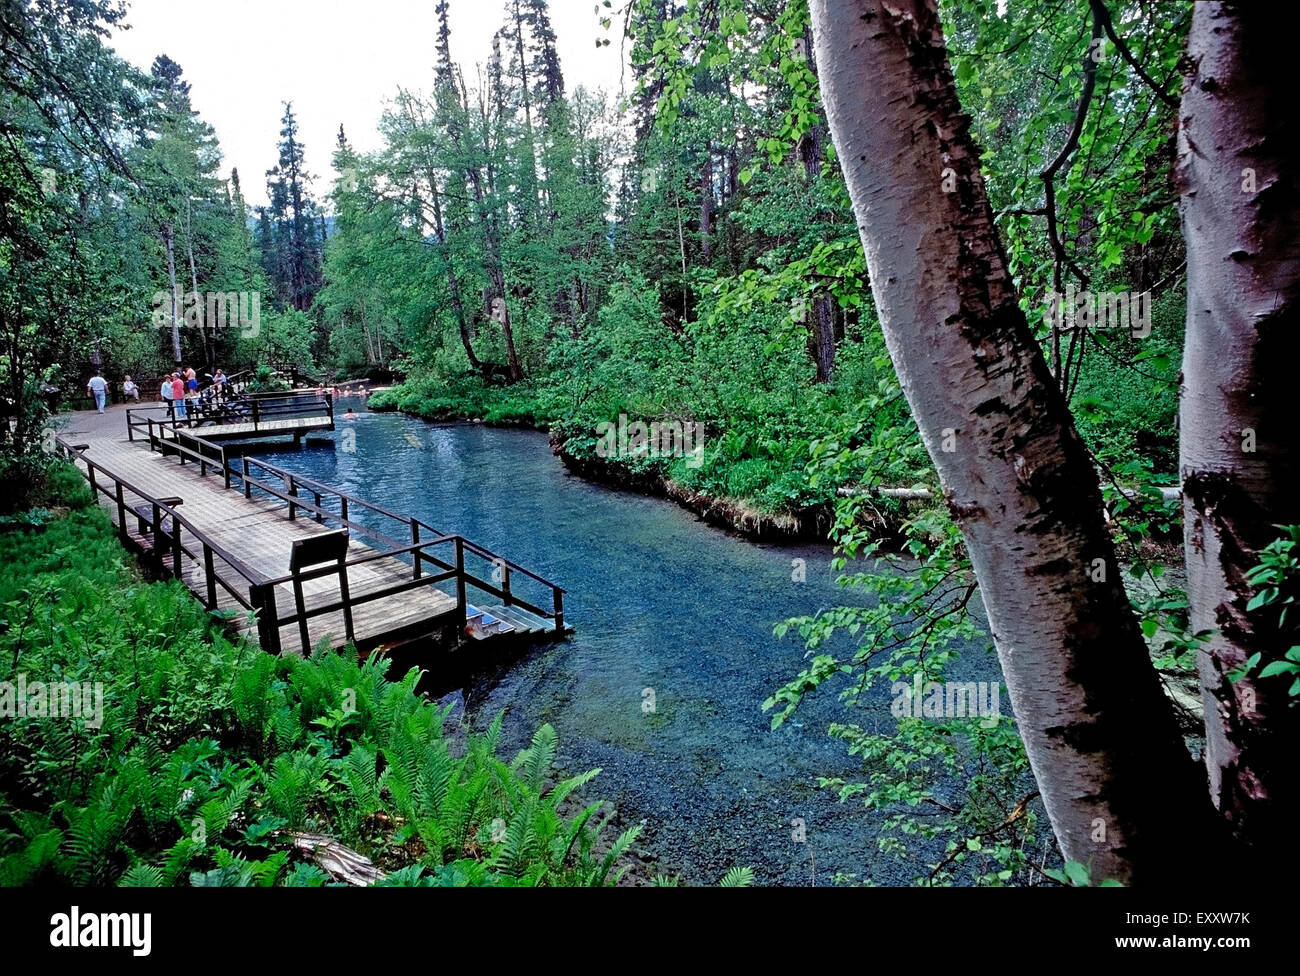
[
  {"x": 619, "y": 848},
  {"x": 142, "y": 876},
  {"x": 737, "y": 878}
]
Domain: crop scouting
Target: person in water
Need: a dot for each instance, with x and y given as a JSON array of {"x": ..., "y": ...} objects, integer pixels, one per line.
[{"x": 350, "y": 415}]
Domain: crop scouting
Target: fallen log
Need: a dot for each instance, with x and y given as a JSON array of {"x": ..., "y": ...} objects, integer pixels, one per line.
[{"x": 341, "y": 862}]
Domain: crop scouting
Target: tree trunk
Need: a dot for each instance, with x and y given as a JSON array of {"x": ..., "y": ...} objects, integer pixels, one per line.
[
  {"x": 706, "y": 206},
  {"x": 1240, "y": 186},
  {"x": 812, "y": 149},
  {"x": 508, "y": 334},
  {"x": 823, "y": 337},
  {"x": 169, "y": 241},
  {"x": 453, "y": 282},
  {"x": 1122, "y": 793},
  {"x": 204, "y": 327}
]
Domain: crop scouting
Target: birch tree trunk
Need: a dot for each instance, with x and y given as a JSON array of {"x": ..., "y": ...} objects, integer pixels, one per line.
[
  {"x": 1238, "y": 176},
  {"x": 1122, "y": 793}
]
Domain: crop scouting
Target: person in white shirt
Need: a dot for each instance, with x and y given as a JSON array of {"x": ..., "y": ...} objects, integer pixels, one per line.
[
  {"x": 98, "y": 388},
  {"x": 129, "y": 389}
]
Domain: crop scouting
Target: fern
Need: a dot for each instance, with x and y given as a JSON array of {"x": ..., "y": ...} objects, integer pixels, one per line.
[
  {"x": 737, "y": 878},
  {"x": 535, "y": 762},
  {"x": 620, "y": 847},
  {"x": 142, "y": 876}
]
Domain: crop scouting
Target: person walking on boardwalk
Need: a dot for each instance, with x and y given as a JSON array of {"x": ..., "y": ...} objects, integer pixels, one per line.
[
  {"x": 165, "y": 395},
  {"x": 98, "y": 388}
]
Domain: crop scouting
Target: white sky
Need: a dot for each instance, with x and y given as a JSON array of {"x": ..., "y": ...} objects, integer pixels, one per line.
[{"x": 336, "y": 60}]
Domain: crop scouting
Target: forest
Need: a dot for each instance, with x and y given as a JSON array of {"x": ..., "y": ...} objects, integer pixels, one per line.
[{"x": 987, "y": 302}]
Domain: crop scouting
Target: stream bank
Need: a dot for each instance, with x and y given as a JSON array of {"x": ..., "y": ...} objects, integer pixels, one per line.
[{"x": 810, "y": 523}]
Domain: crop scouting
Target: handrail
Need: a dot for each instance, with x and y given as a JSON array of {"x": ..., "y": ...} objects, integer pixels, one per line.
[
  {"x": 161, "y": 509},
  {"x": 209, "y": 453}
]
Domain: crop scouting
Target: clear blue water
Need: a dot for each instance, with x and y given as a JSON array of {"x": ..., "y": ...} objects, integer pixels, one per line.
[{"x": 658, "y": 600}]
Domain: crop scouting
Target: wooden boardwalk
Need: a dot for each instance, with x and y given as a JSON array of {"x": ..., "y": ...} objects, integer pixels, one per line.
[{"x": 232, "y": 545}]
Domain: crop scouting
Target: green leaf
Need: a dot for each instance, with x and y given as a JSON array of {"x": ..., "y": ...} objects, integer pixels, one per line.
[
  {"x": 1279, "y": 667},
  {"x": 1078, "y": 874}
]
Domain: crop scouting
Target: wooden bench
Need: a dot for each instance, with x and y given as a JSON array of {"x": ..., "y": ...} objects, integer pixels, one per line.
[
  {"x": 144, "y": 512},
  {"x": 328, "y": 547}
]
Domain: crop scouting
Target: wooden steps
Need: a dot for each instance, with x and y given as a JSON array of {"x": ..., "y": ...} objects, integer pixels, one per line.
[{"x": 484, "y": 622}]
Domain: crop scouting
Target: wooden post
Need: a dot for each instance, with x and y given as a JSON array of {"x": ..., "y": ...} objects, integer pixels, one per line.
[
  {"x": 460, "y": 581},
  {"x": 346, "y": 594},
  {"x": 559, "y": 610},
  {"x": 248, "y": 489},
  {"x": 130, "y": 431},
  {"x": 415, "y": 556},
  {"x": 257, "y": 412},
  {"x": 300, "y": 607},
  {"x": 176, "y": 548},
  {"x": 343, "y": 509},
  {"x": 319, "y": 515},
  {"x": 505, "y": 583},
  {"x": 94, "y": 488},
  {"x": 210, "y": 571},
  {"x": 293, "y": 493},
  {"x": 121, "y": 515},
  {"x": 268, "y": 618},
  {"x": 225, "y": 465},
  {"x": 156, "y": 533}
]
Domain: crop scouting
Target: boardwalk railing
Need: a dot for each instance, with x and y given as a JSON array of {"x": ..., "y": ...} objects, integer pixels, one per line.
[
  {"x": 434, "y": 556},
  {"x": 257, "y": 409},
  {"x": 167, "y": 528}
]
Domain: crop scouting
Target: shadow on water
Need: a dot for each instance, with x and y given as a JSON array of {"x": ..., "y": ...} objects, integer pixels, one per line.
[{"x": 661, "y": 604}]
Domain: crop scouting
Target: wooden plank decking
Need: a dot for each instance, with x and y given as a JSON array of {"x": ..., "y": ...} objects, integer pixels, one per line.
[
  {"x": 258, "y": 533},
  {"x": 286, "y": 425}
]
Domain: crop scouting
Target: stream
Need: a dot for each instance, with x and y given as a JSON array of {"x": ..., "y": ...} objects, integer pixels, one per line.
[{"x": 658, "y": 601}]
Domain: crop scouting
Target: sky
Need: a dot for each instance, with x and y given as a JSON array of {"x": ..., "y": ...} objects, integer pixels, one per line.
[{"x": 336, "y": 61}]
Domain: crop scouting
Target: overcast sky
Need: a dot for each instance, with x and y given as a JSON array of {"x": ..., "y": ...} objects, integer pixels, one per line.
[{"x": 336, "y": 61}]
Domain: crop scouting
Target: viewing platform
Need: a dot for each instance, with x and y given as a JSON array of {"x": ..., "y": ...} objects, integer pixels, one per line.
[{"x": 240, "y": 416}]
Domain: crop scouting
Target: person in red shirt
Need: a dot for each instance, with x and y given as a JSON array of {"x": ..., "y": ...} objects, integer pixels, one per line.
[{"x": 178, "y": 395}]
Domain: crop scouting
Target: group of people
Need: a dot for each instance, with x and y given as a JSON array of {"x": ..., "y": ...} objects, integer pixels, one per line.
[
  {"x": 175, "y": 390},
  {"x": 180, "y": 389},
  {"x": 346, "y": 391}
]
